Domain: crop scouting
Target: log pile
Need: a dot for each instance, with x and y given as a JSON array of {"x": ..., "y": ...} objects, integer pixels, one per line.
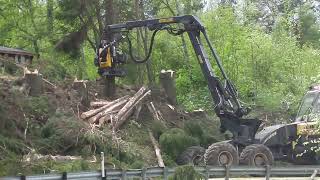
[{"x": 117, "y": 112}]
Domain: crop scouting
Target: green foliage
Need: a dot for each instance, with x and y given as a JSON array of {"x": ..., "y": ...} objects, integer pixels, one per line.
[
  {"x": 195, "y": 129},
  {"x": 62, "y": 134},
  {"x": 174, "y": 141},
  {"x": 10, "y": 146},
  {"x": 10, "y": 67},
  {"x": 157, "y": 128},
  {"x": 186, "y": 172},
  {"x": 168, "y": 161},
  {"x": 137, "y": 165},
  {"x": 37, "y": 108},
  {"x": 55, "y": 71},
  {"x": 10, "y": 165}
]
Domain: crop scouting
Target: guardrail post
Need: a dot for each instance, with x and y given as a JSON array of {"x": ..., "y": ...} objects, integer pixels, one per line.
[
  {"x": 23, "y": 177},
  {"x": 103, "y": 171},
  {"x": 268, "y": 168},
  {"x": 124, "y": 175},
  {"x": 207, "y": 173},
  {"x": 143, "y": 173},
  {"x": 165, "y": 173},
  {"x": 64, "y": 176},
  {"x": 227, "y": 172},
  {"x": 315, "y": 172}
]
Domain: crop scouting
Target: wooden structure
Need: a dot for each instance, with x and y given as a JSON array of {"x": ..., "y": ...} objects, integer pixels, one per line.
[{"x": 19, "y": 56}]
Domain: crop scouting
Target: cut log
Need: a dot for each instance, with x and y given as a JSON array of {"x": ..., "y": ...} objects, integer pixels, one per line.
[
  {"x": 96, "y": 111},
  {"x": 137, "y": 111},
  {"x": 36, "y": 157},
  {"x": 99, "y": 103},
  {"x": 119, "y": 120},
  {"x": 34, "y": 81},
  {"x": 156, "y": 149},
  {"x": 106, "y": 119},
  {"x": 111, "y": 109},
  {"x": 131, "y": 101}
]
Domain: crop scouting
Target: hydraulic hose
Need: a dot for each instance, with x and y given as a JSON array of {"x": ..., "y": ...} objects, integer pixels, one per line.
[{"x": 149, "y": 52}]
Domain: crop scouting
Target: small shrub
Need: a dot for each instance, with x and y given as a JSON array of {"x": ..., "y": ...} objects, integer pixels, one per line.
[
  {"x": 61, "y": 133},
  {"x": 10, "y": 68},
  {"x": 186, "y": 172},
  {"x": 55, "y": 71},
  {"x": 175, "y": 141},
  {"x": 37, "y": 108},
  {"x": 137, "y": 165},
  {"x": 194, "y": 129},
  {"x": 168, "y": 161},
  {"x": 157, "y": 129}
]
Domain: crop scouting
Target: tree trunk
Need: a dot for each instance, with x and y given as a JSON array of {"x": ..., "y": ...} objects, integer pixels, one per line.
[
  {"x": 50, "y": 17},
  {"x": 141, "y": 15},
  {"x": 110, "y": 86}
]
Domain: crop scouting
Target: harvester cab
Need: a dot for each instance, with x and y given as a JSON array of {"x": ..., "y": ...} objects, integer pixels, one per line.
[
  {"x": 309, "y": 109},
  {"x": 297, "y": 141}
]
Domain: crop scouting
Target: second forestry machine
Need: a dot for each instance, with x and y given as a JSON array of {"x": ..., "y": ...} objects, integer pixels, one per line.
[{"x": 247, "y": 146}]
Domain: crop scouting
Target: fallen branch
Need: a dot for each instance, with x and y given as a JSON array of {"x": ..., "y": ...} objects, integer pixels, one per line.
[
  {"x": 156, "y": 149},
  {"x": 156, "y": 114},
  {"x": 38, "y": 157},
  {"x": 48, "y": 82}
]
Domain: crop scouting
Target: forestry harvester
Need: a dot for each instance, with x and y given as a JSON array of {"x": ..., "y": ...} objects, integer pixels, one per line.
[{"x": 247, "y": 146}]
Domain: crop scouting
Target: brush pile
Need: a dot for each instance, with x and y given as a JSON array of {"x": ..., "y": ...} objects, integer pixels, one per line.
[{"x": 115, "y": 113}]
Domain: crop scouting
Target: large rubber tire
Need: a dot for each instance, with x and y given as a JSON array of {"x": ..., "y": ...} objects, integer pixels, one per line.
[
  {"x": 221, "y": 154},
  {"x": 192, "y": 155},
  {"x": 256, "y": 155}
]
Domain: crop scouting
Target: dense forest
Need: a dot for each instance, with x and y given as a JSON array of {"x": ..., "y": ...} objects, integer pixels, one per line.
[{"x": 269, "y": 49}]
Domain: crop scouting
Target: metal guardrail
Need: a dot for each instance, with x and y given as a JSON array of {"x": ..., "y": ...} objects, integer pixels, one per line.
[{"x": 237, "y": 171}]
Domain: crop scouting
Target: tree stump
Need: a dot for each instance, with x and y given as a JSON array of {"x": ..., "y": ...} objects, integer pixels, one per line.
[
  {"x": 1, "y": 67},
  {"x": 109, "y": 87},
  {"x": 81, "y": 87},
  {"x": 167, "y": 80},
  {"x": 35, "y": 83}
]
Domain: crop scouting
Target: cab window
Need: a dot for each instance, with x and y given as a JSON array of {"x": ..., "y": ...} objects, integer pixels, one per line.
[{"x": 308, "y": 104}]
